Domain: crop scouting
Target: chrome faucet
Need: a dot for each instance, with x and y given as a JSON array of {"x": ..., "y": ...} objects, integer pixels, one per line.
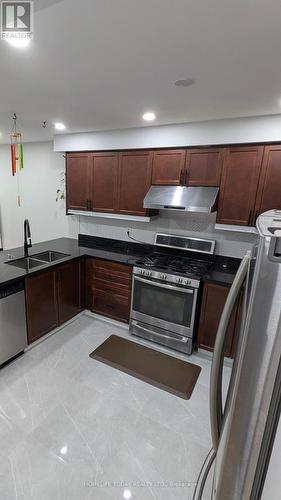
[{"x": 27, "y": 237}]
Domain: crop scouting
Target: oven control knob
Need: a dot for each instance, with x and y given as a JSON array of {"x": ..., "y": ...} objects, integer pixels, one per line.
[
  {"x": 148, "y": 273},
  {"x": 179, "y": 280},
  {"x": 163, "y": 276},
  {"x": 188, "y": 282}
]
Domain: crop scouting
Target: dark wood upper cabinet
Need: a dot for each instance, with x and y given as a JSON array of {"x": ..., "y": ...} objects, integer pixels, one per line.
[
  {"x": 104, "y": 182},
  {"x": 69, "y": 298},
  {"x": 117, "y": 182},
  {"x": 213, "y": 301},
  {"x": 204, "y": 167},
  {"x": 239, "y": 185},
  {"x": 41, "y": 304},
  {"x": 134, "y": 180},
  {"x": 269, "y": 192},
  {"x": 78, "y": 181},
  {"x": 168, "y": 167}
]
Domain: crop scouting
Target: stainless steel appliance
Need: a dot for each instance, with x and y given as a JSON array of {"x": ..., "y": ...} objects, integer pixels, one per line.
[
  {"x": 13, "y": 338},
  {"x": 165, "y": 291},
  {"x": 1, "y": 241},
  {"x": 182, "y": 198},
  {"x": 243, "y": 430}
]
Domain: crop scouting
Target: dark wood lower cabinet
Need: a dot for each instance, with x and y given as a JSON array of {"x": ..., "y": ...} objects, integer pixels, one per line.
[
  {"x": 213, "y": 301},
  {"x": 111, "y": 304},
  {"x": 69, "y": 290},
  {"x": 52, "y": 297},
  {"x": 108, "y": 288},
  {"x": 41, "y": 304}
]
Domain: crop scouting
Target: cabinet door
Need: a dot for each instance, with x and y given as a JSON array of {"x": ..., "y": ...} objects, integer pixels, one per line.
[
  {"x": 168, "y": 167},
  {"x": 204, "y": 167},
  {"x": 213, "y": 301},
  {"x": 239, "y": 184},
  {"x": 69, "y": 298},
  {"x": 135, "y": 170},
  {"x": 41, "y": 304},
  {"x": 78, "y": 181},
  {"x": 104, "y": 182},
  {"x": 269, "y": 193}
]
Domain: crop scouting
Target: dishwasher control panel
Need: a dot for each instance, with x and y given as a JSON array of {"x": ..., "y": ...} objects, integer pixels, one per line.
[{"x": 7, "y": 290}]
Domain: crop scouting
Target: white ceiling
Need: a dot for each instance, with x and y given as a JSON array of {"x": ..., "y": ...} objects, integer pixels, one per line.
[{"x": 99, "y": 64}]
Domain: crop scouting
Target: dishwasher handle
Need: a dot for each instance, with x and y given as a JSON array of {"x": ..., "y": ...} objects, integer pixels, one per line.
[{"x": 11, "y": 289}]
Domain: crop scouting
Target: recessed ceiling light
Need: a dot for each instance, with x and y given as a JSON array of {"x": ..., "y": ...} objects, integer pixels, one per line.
[
  {"x": 149, "y": 116},
  {"x": 20, "y": 43},
  {"x": 59, "y": 126},
  {"x": 184, "y": 83}
]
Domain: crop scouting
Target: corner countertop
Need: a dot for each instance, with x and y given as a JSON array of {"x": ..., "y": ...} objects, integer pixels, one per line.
[
  {"x": 221, "y": 271},
  {"x": 69, "y": 246}
]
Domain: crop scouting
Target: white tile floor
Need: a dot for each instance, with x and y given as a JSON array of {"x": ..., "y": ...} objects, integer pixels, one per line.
[{"x": 73, "y": 428}]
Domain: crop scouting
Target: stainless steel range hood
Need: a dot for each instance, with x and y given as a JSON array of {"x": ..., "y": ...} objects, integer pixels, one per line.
[{"x": 182, "y": 198}]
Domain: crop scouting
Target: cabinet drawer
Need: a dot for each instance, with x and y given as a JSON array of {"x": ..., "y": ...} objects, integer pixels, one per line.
[
  {"x": 111, "y": 305},
  {"x": 111, "y": 287},
  {"x": 113, "y": 277},
  {"x": 108, "y": 267}
]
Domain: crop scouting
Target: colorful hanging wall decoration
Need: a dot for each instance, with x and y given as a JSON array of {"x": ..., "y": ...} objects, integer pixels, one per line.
[{"x": 16, "y": 152}]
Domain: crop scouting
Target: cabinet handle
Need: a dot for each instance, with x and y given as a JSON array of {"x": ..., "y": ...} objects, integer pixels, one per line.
[
  {"x": 181, "y": 177},
  {"x": 186, "y": 177},
  {"x": 250, "y": 217}
]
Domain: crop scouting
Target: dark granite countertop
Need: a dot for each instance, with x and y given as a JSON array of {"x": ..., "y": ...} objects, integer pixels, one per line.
[
  {"x": 10, "y": 273},
  {"x": 222, "y": 270}
]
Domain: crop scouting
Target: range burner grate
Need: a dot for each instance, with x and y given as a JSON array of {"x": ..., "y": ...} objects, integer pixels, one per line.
[{"x": 178, "y": 265}]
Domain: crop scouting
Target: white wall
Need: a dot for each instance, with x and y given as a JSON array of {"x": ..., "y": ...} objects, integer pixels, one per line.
[
  {"x": 232, "y": 244},
  {"x": 38, "y": 184},
  {"x": 229, "y": 131}
]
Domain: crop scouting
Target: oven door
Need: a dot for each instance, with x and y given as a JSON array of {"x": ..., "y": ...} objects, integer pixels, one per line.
[{"x": 164, "y": 305}]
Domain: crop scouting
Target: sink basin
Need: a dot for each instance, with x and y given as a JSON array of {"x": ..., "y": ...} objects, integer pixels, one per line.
[
  {"x": 25, "y": 263},
  {"x": 37, "y": 260},
  {"x": 49, "y": 256}
]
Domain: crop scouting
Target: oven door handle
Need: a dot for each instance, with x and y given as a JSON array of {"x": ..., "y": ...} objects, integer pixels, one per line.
[
  {"x": 184, "y": 340},
  {"x": 169, "y": 287}
]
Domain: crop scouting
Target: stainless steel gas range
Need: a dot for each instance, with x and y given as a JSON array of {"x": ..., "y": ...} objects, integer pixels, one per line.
[{"x": 165, "y": 290}]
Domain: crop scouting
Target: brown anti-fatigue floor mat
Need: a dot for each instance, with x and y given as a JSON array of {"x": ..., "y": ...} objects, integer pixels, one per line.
[{"x": 156, "y": 368}]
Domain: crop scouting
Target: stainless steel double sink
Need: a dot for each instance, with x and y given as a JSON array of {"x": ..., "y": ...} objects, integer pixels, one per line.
[{"x": 37, "y": 260}]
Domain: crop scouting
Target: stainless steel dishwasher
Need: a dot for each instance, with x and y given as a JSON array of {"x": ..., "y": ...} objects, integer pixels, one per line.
[{"x": 13, "y": 337}]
